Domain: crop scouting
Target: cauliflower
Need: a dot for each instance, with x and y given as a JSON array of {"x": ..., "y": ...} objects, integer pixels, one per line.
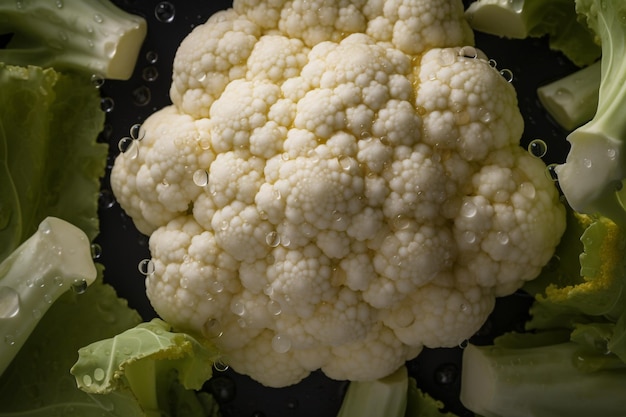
[{"x": 336, "y": 185}]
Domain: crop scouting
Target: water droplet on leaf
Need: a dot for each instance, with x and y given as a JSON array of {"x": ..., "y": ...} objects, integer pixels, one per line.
[{"x": 9, "y": 302}]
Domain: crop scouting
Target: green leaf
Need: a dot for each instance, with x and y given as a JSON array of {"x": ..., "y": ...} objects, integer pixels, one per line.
[
  {"x": 142, "y": 359},
  {"x": 420, "y": 404},
  {"x": 49, "y": 157}
]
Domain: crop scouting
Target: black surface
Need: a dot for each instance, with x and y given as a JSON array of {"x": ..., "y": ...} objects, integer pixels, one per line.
[{"x": 436, "y": 370}]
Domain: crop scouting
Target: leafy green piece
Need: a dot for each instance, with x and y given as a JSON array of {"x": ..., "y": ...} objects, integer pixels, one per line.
[
  {"x": 146, "y": 360},
  {"x": 520, "y": 19},
  {"x": 49, "y": 157},
  {"x": 592, "y": 176},
  {"x": 37, "y": 383},
  {"x": 420, "y": 404},
  {"x": 91, "y": 36}
]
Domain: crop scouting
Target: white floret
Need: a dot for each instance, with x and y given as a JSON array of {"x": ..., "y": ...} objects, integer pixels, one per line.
[
  {"x": 276, "y": 58},
  {"x": 417, "y": 26},
  {"x": 466, "y": 105},
  {"x": 154, "y": 179},
  {"x": 439, "y": 315},
  {"x": 242, "y": 107},
  {"x": 380, "y": 353},
  {"x": 209, "y": 58}
]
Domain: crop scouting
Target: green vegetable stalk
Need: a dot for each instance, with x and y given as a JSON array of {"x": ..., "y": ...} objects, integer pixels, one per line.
[
  {"x": 57, "y": 257},
  {"x": 541, "y": 381},
  {"x": 520, "y": 19},
  {"x": 386, "y": 396},
  {"x": 592, "y": 175},
  {"x": 92, "y": 36},
  {"x": 572, "y": 100}
]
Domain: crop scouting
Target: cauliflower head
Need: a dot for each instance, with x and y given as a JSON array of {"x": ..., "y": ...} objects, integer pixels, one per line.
[{"x": 336, "y": 184}]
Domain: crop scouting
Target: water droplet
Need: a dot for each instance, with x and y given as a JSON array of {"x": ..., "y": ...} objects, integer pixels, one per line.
[
  {"x": 587, "y": 162},
  {"x": 468, "y": 209},
  {"x": 98, "y": 18},
  {"x": 141, "y": 96},
  {"x": 238, "y": 308},
  {"x": 469, "y": 236},
  {"x": 484, "y": 115},
  {"x": 9, "y": 302},
  {"x": 9, "y": 339},
  {"x": 611, "y": 153},
  {"x": 212, "y": 329},
  {"x": 468, "y": 52},
  {"x": 563, "y": 94},
  {"x": 274, "y": 307},
  {"x": 401, "y": 222},
  {"x": 551, "y": 172},
  {"x": 447, "y": 57},
  {"x": 507, "y": 74},
  {"x": 346, "y": 162},
  {"x": 217, "y": 287},
  {"x": 137, "y": 131},
  {"x": 272, "y": 239},
  {"x": 99, "y": 374},
  {"x": 96, "y": 251},
  {"x": 463, "y": 344},
  {"x": 146, "y": 267},
  {"x": 446, "y": 374},
  {"x": 502, "y": 237},
  {"x": 87, "y": 381},
  {"x": 107, "y": 104},
  {"x": 281, "y": 343},
  {"x": 129, "y": 147},
  {"x": 97, "y": 80},
  {"x": 220, "y": 366},
  {"x": 165, "y": 12},
  {"x": 537, "y": 148},
  {"x": 150, "y": 73},
  {"x": 493, "y": 63},
  {"x": 152, "y": 57},
  {"x": 106, "y": 199},
  {"x": 79, "y": 286},
  {"x": 201, "y": 178},
  {"x": 527, "y": 189}
]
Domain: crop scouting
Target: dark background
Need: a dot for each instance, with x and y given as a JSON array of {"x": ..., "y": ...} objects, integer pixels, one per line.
[{"x": 437, "y": 370}]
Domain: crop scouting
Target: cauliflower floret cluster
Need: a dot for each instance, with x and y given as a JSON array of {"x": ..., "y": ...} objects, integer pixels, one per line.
[{"x": 336, "y": 185}]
